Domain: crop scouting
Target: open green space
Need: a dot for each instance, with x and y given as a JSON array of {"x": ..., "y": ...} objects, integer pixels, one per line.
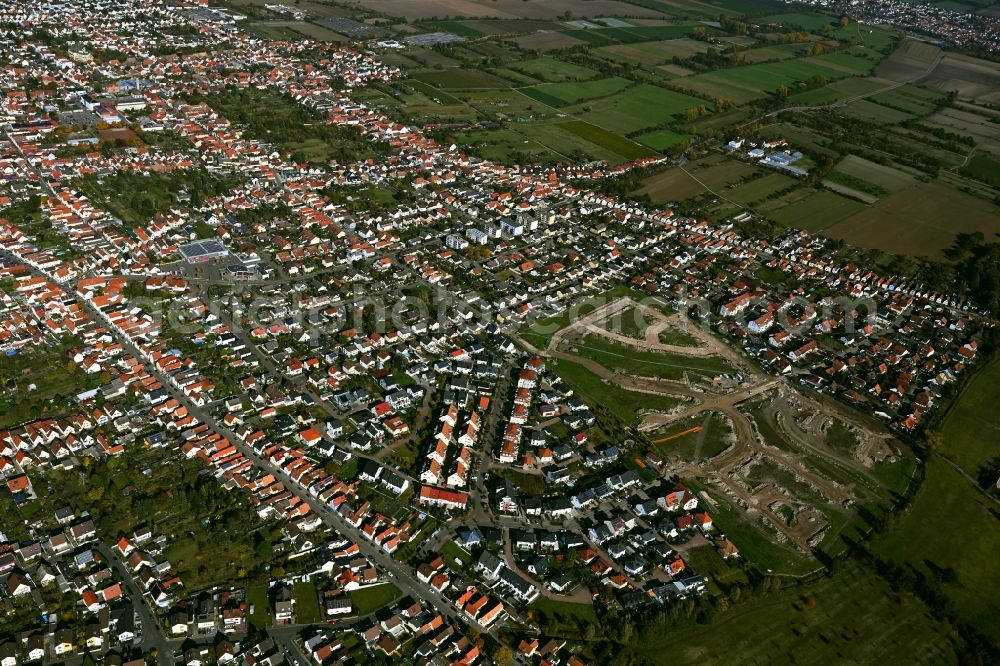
[
  {"x": 969, "y": 433},
  {"x": 257, "y": 598},
  {"x": 633, "y": 361},
  {"x": 369, "y": 599},
  {"x": 278, "y": 119},
  {"x": 626, "y": 405},
  {"x": 749, "y": 82},
  {"x": 451, "y": 551},
  {"x": 958, "y": 555},
  {"x": 306, "y": 603},
  {"x": 664, "y": 139},
  {"x": 562, "y": 617},
  {"x": 135, "y": 197},
  {"x": 39, "y": 383}
]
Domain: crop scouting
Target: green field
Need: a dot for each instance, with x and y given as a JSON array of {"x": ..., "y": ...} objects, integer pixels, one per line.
[
  {"x": 985, "y": 168},
  {"x": 806, "y": 20},
  {"x": 626, "y": 148},
  {"x": 929, "y": 539},
  {"x": 632, "y": 361},
  {"x": 257, "y": 596},
  {"x": 562, "y": 618},
  {"x": 881, "y": 176},
  {"x": 662, "y": 139},
  {"x": 637, "y": 108},
  {"x": 38, "y": 384},
  {"x": 849, "y": 618},
  {"x": 877, "y": 114},
  {"x": 369, "y": 599},
  {"x": 749, "y": 82},
  {"x": 842, "y": 89},
  {"x": 626, "y": 405},
  {"x": 307, "y": 603},
  {"x": 551, "y": 70},
  {"x": 968, "y": 433},
  {"x": 816, "y": 211},
  {"x": 460, "y": 78},
  {"x": 564, "y": 94},
  {"x": 451, "y": 551}
]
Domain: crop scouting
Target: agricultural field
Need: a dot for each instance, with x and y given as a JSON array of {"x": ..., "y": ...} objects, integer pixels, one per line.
[
  {"x": 637, "y": 108},
  {"x": 551, "y": 70},
  {"x": 960, "y": 555},
  {"x": 970, "y": 78},
  {"x": 839, "y": 90},
  {"x": 979, "y": 124},
  {"x": 505, "y": 9},
  {"x": 874, "y": 623},
  {"x": 565, "y": 94},
  {"x": 655, "y": 53},
  {"x": 676, "y": 184},
  {"x": 750, "y": 82},
  {"x": 963, "y": 431},
  {"x": 885, "y": 178},
  {"x": 547, "y": 41},
  {"x": 815, "y": 211},
  {"x": 984, "y": 168},
  {"x": 876, "y": 114},
  {"x": 918, "y": 221},
  {"x": 605, "y": 139},
  {"x": 461, "y": 78},
  {"x": 662, "y": 139}
]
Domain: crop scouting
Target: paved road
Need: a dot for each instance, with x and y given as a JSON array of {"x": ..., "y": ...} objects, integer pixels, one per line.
[{"x": 153, "y": 635}]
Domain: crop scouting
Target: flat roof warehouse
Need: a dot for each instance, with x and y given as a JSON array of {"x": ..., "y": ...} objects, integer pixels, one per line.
[{"x": 203, "y": 250}]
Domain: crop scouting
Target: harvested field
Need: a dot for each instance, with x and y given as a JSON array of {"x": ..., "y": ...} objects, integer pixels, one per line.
[
  {"x": 880, "y": 175},
  {"x": 910, "y": 60},
  {"x": 658, "y": 52},
  {"x": 971, "y": 78},
  {"x": 506, "y": 9},
  {"x": 985, "y": 132},
  {"x": 918, "y": 221},
  {"x": 675, "y": 185}
]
